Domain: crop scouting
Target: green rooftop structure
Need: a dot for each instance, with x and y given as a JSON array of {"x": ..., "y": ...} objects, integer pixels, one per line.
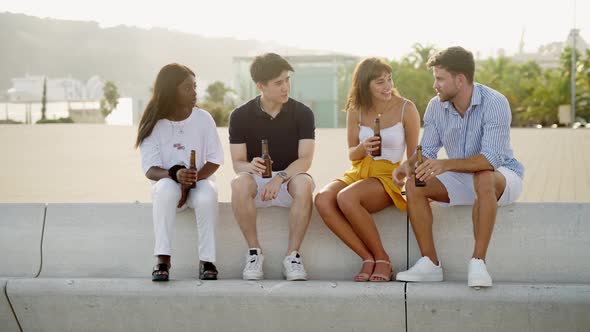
[{"x": 319, "y": 81}]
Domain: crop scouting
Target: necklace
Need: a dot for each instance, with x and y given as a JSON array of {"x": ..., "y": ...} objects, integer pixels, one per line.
[{"x": 178, "y": 125}]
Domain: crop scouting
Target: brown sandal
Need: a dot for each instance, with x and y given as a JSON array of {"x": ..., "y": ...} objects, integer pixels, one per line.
[
  {"x": 362, "y": 277},
  {"x": 376, "y": 277}
]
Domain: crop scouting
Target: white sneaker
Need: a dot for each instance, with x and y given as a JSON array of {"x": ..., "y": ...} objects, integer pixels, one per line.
[
  {"x": 253, "y": 268},
  {"x": 478, "y": 274},
  {"x": 293, "y": 267},
  {"x": 423, "y": 270}
]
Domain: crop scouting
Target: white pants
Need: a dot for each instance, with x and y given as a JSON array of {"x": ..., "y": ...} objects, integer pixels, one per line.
[{"x": 165, "y": 196}]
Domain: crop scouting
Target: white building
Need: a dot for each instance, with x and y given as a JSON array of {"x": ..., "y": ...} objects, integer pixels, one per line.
[
  {"x": 30, "y": 88},
  {"x": 548, "y": 56}
]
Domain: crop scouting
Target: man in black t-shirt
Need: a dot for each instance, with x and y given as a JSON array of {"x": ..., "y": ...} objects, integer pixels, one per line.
[{"x": 289, "y": 127}]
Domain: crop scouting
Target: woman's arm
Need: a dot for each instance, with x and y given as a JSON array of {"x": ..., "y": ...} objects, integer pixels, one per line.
[
  {"x": 411, "y": 122},
  {"x": 356, "y": 149},
  {"x": 207, "y": 170}
]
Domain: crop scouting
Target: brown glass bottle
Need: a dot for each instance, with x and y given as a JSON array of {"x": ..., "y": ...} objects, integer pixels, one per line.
[
  {"x": 185, "y": 189},
  {"x": 377, "y": 132},
  {"x": 193, "y": 166},
  {"x": 419, "y": 161},
  {"x": 267, "y": 161}
]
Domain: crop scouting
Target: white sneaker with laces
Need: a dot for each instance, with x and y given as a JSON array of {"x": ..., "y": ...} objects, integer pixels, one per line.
[
  {"x": 253, "y": 268},
  {"x": 478, "y": 274},
  {"x": 423, "y": 270},
  {"x": 293, "y": 267}
]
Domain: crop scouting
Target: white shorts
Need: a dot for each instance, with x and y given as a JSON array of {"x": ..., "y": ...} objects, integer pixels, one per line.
[
  {"x": 461, "y": 190},
  {"x": 283, "y": 199}
]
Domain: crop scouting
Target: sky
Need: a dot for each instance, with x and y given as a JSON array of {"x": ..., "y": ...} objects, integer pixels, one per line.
[{"x": 363, "y": 28}]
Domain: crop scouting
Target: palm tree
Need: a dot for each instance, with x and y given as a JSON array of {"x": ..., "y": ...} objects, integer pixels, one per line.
[
  {"x": 44, "y": 100},
  {"x": 419, "y": 57}
]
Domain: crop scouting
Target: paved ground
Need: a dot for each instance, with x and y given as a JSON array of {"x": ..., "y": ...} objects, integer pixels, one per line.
[{"x": 97, "y": 163}]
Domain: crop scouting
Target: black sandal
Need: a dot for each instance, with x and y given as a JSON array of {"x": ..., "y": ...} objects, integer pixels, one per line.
[
  {"x": 207, "y": 271},
  {"x": 157, "y": 274}
]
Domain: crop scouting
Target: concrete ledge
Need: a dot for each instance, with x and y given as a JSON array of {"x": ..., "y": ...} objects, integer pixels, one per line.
[
  {"x": 538, "y": 247},
  {"x": 191, "y": 305},
  {"x": 532, "y": 242},
  {"x": 452, "y": 306},
  {"x": 8, "y": 322},
  {"x": 116, "y": 240},
  {"x": 21, "y": 226}
]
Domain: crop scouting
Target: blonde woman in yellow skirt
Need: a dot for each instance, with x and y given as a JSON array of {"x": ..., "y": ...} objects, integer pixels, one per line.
[{"x": 346, "y": 204}]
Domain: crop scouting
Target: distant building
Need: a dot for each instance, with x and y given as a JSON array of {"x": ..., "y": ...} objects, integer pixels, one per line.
[
  {"x": 548, "y": 55},
  {"x": 319, "y": 81},
  {"x": 30, "y": 88}
]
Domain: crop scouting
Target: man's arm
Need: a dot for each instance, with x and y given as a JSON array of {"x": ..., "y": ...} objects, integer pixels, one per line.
[
  {"x": 240, "y": 163},
  {"x": 496, "y": 132},
  {"x": 300, "y": 165},
  {"x": 431, "y": 144},
  {"x": 472, "y": 164},
  {"x": 305, "y": 157}
]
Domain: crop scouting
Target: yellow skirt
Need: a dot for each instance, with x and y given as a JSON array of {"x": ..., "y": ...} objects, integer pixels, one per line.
[{"x": 381, "y": 170}]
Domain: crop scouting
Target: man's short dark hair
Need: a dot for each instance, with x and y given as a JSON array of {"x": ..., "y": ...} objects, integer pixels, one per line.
[
  {"x": 455, "y": 60},
  {"x": 267, "y": 66}
]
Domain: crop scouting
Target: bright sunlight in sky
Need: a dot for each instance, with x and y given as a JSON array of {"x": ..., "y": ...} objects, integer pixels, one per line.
[{"x": 386, "y": 28}]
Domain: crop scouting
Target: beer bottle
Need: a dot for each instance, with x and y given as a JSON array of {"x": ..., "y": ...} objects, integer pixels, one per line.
[
  {"x": 267, "y": 161},
  {"x": 377, "y": 133},
  {"x": 185, "y": 189},
  {"x": 193, "y": 166},
  {"x": 419, "y": 161}
]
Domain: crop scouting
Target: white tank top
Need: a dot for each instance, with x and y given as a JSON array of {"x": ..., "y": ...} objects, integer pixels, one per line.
[{"x": 393, "y": 139}]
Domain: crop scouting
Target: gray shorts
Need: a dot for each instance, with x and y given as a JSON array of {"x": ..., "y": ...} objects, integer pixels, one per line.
[{"x": 461, "y": 191}]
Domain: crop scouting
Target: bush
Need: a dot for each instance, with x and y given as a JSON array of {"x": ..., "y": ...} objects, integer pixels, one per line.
[
  {"x": 8, "y": 121},
  {"x": 60, "y": 120},
  {"x": 218, "y": 111}
]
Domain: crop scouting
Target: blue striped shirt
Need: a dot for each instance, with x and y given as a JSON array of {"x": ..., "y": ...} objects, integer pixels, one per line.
[{"x": 483, "y": 129}]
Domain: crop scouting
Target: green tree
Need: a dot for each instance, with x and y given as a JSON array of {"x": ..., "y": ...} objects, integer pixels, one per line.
[
  {"x": 44, "y": 100},
  {"x": 110, "y": 98},
  {"x": 220, "y": 112},
  {"x": 215, "y": 103},
  {"x": 583, "y": 87},
  {"x": 412, "y": 78},
  {"x": 515, "y": 81},
  {"x": 216, "y": 92},
  {"x": 414, "y": 83},
  {"x": 542, "y": 105},
  {"x": 419, "y": 57},
  {"x": 554, "y": 89},
  {"x": 494, "y": 71}
]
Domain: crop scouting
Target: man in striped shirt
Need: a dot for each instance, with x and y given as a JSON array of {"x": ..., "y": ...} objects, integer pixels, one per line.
[{"x": 472, "y": 122}]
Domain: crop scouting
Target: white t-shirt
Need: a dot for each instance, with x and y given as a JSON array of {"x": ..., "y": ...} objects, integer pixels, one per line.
[{"x": 171, "y": 142}]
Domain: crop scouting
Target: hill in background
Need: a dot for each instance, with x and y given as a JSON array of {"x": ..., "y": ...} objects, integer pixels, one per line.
[{"x": 129, "y": 56}]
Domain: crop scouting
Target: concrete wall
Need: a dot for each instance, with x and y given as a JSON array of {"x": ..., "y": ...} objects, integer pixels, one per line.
[
  {"x": 21, "y": 227},
  {"x": 140, "y": 305},
  {"x": 116, "y": 240},
  {"x": 450, "y": 306},
  {"x": 532, "y": 242},
  {"x": 8, "y": 321},
  {"x": 96, "y": 262}
]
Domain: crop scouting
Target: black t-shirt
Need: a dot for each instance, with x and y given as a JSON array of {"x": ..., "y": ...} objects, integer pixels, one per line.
[{"x": 250, "y": 124}]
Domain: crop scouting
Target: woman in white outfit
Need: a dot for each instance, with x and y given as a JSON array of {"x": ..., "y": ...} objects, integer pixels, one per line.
[{"x": 172, "y": 126}]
